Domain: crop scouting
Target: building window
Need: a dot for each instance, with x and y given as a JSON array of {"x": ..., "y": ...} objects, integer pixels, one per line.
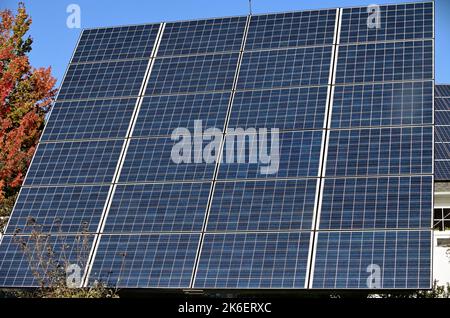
[{"x": 441, "y": 220}]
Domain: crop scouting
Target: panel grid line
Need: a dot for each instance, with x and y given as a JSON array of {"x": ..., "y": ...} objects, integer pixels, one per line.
[
  {"x": 85, "y": 280},
  {"x": 221, "y": 149}
]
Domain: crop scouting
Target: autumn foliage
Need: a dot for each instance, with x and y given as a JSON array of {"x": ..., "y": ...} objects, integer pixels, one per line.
[{"x": 26, "y": 94}]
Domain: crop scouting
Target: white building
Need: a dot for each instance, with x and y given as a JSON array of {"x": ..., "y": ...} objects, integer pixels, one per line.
[{"x": 441, "y": 222}]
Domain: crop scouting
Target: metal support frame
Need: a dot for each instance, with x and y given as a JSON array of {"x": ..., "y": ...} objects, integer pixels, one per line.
[{"x": 324, "y": 152}]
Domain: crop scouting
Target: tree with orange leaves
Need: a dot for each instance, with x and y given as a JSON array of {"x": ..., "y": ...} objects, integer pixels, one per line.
[{"x": 26, "y": 94}]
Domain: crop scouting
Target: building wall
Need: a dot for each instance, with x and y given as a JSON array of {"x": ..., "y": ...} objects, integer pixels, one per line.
[
  {"x": 441, "y": 257},
  {"x": 441, "y": 219}
]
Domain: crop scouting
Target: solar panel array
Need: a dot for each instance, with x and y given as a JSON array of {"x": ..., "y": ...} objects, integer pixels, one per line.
[
  {"x": 353, "y": 188},
  {"x": 442, "y": 133}
]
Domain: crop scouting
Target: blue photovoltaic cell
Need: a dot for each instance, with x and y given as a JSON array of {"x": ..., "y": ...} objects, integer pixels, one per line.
[
  {"x": 202, "y": 36},
  {"x": 442, "y": 170},
  {"x": 145, "y": 261},
  {"x": 397, "y": 22},
  {"x": 283, "y": 68},
  {"x": 127, "y": 42},
  {"x": 348, "y": 259},
  {"x": 197, "y": 73},
  {"x": 442, "y": 150},
  {"x": 391, "y": 104},
  {"x": 398, "y": 61},
  {"x": 107, "y": 118},
  {"x": 58, "y": 209},
  {"x": 285, "y": 109},
  {"x": 105, "y": 79},
  {"x": 299, "y": 154},
  {"x": 74, "y": 162},
  {"x": 15, "y": 265},
  {"x": 253, "y": 260},
  {"x": 442, "y": 90},
  {"x": 379, "y": 151},
  {"x": 376, "y": 203},
  {"x": 173, "y": 217},
  {"x": 442, "y": 104},
  {"x": 442, "y": 133},
  {"x": 161, "y": 115},
  {"x": 151, "y": 159},
  {"x": 291, "y": 29},
  {"x": 158, "y": 207},
  {"x": 442, "y": 118},
  {"x": 262, "y": 205}
]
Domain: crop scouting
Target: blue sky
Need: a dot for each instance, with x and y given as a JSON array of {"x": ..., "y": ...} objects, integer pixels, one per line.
[{"x": 54, "y": 41}]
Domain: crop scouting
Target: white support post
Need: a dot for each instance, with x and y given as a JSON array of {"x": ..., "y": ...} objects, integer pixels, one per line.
[{"x": 324, "y": 153}]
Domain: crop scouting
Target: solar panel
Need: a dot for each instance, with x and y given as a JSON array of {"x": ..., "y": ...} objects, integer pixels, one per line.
[
  {"x": 380, "y": 151},
  {"x": 399, "y": 22},
  {"x": 128, "y": 42},
  {"x": 344, "y": 259},
  {"x": 442, "y": 91},
  {"x": 150, "y": 160},
  {"x": 287, "y": 109},
  {"x": 442, "y": 132},
  {"x": 263, "y": 205},
  {"x": 376, "y": 203},
  {"x": 442, "y": 170},
  {"x": 348, "y": 109},
  {"x": 298, "y": 157},
  {"x": 442, "y": 118},
  {"x": 253, "y": 260},
  {"x": 78, "y": 162},
  {"x": 385, "y": 104},
  {"x": 442, "y": 150},
  {"x": 285, "y": 68},
  {"x": 192, "y": 74},
  {"x": 379, "y": 62},
  {"x": 160, "y": 115},
  {"x": 442, "y": 103},
  {"x": 71, "y": 209},
  {"x": 165, "y": 207},
  {"x": 103, "y": 79},
  {"x": 17, "y": 265},
  {"x": 291, "y": 29},
  {"x": 89, "y": 119},
  {"x": 141, "y": 260},
  {"x": 202, "y": 36}
]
